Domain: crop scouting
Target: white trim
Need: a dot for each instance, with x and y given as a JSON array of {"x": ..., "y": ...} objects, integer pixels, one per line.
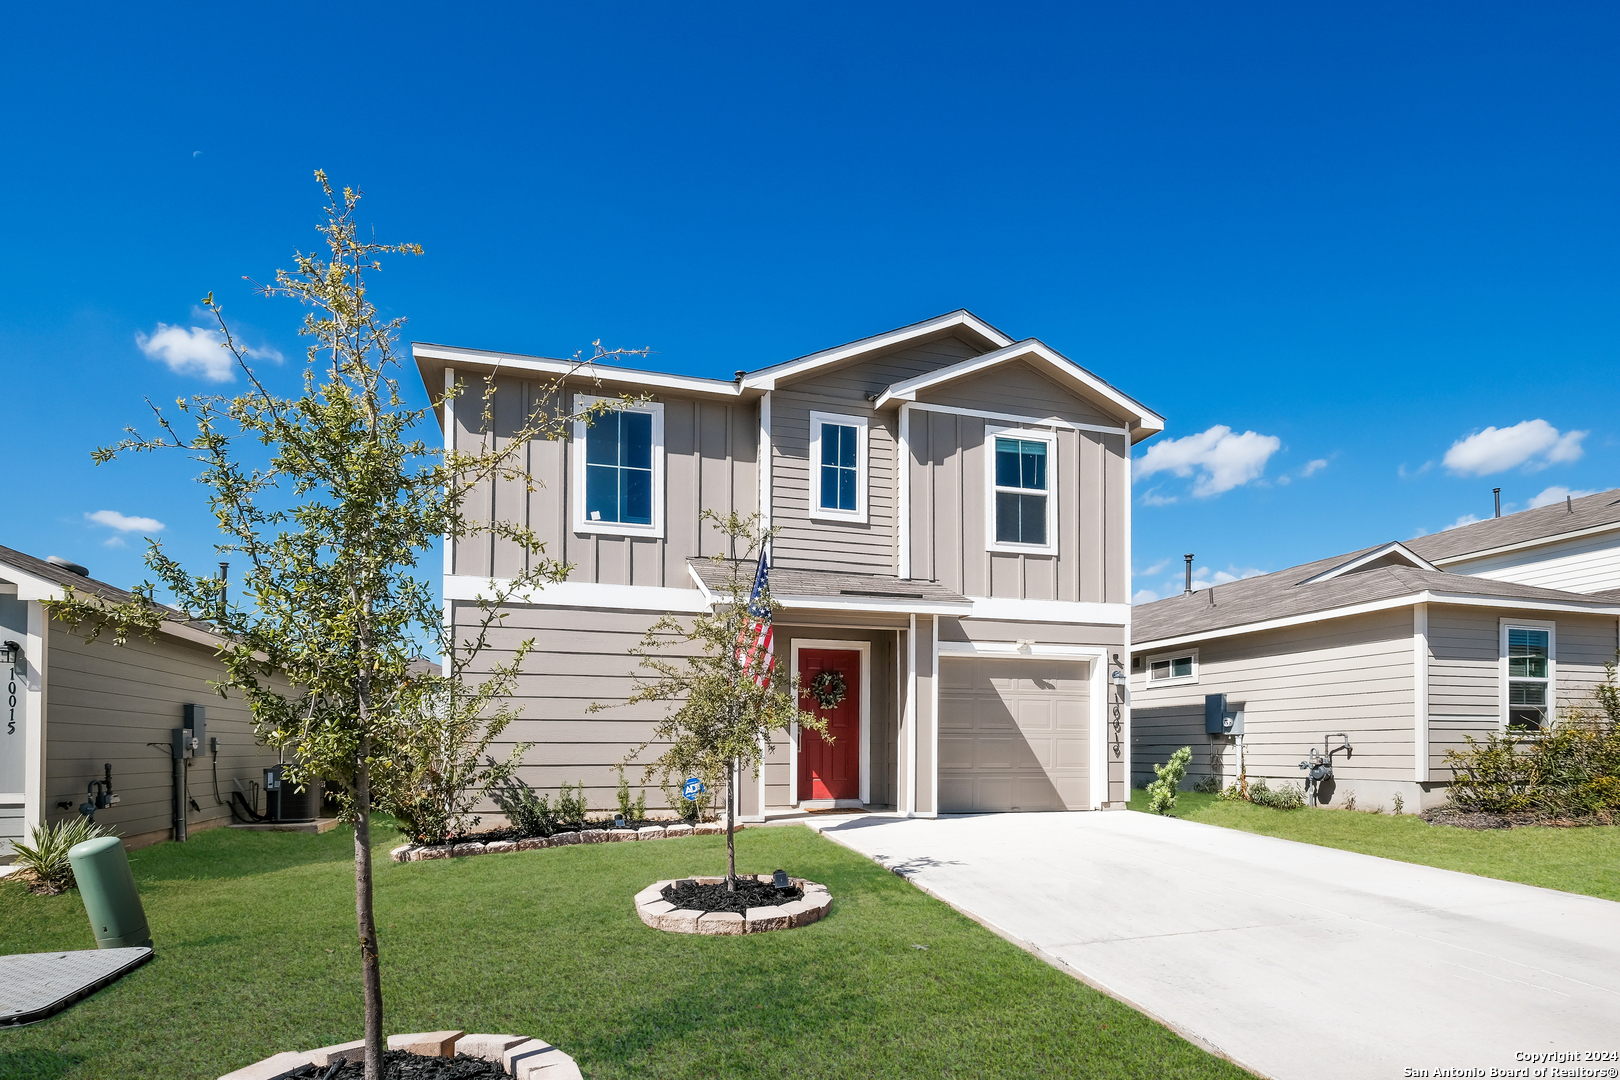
[
  {"x": 765, "y": 462},
  {"x": 766, "y": 378},
  {"x": 911, "y": 717},
  {"x": 1125, "y": 664},
  {"x": 991, "y": 488},
  {"x": 449, "y": 447},
  {"x": 547, "y": 365},
  {"x": 874, "y": 603},
  {"x": 583, "y": 594},
  {"x": 1392, "y": 548},
  {"x": 1425, "y": 597},
  {"x": 34, "y": 733},
  {"x": 1420, "y": 695},
  {"x": 1148, "y": 681},
  {"x": 903, "y": 469},
  {"x": 1551, "y": 538},
  {"x": 933, "y": 722},
  {"x": 1097, "y": 694},
  {"x": 822, "y": 513},
  {"x": 864, "y": 648},
  {"x": 1503, "y": 625},
  {"x": 1052, "y": 611},
  {"x": 654, "y": 530},
  {"x": 1028, "y": 349},
  {"x": 1014, "y": 418}
]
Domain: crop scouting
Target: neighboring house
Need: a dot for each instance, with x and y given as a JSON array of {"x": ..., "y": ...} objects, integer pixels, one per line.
[
  {"x": 74, "y": 707},
  {"x": 1382, "y": 646},
  {"x": 953, "y": 511},
  {"x": 1573, "y": 545}
]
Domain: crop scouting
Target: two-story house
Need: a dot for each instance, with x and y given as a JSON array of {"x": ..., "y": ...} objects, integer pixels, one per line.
[{"x": 953, "y": 536}]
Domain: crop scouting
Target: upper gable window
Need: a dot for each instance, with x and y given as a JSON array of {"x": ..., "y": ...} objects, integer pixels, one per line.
[
  {"x": 619, "y": 470},
  {"x": 837, "y": 467},
  {"x": 1022, "y": 490},
  {"x": 1527, "y": 657}
]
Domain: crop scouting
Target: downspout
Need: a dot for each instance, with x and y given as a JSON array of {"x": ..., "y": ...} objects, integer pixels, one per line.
[{"x": 1420, "y": 693}]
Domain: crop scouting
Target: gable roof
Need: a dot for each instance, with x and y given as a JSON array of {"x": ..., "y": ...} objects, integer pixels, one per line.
[
  {"x": 1304, "y": 593},
  {"x": 1141, "y": 421},
  {"x": 41, "y": 580},
  {"x": 1392, "y": 550},
  {"x": 1588, "y": 515},
  {"x": 961, "y": 322}
]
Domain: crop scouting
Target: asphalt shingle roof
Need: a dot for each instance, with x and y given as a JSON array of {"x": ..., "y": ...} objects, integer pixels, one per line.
[{"x": 1540, "y": 523}]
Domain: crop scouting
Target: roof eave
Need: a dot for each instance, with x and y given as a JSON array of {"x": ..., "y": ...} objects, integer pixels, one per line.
[{"x": 961, "y": 320}]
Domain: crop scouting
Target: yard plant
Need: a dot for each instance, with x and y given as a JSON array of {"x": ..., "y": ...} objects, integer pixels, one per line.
[
  {"x": 45, "y": 858},
  {"x": 1162, "y": 792}
]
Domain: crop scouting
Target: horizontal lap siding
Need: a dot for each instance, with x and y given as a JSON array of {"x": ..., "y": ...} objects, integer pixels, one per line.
[
  {"x": 106, "y": 702},
  {"x": 999, "y": 630},
  {"x": 1465, "y": 671},
  {"x": 709, "y": 463},
  {"x": 805, "y": 543},
  {"x": 1585, "y": 564},
  {"x": 1352, "y": 675}
]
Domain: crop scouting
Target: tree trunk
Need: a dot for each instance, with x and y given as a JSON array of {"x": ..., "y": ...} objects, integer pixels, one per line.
[
  {"x": 733, "y": 804},
  {"x": 365, "y": 917}
]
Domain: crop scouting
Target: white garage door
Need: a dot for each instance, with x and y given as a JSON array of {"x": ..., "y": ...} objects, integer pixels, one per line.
[{"x": 1013, "y": 735}]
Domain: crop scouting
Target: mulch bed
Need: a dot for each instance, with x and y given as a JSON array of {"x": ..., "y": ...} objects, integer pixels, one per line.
[
  {"x": 1444, "y": 815},
  {"x": 484, "y": 836},
  {"x": 691, "y": 896},
  {"x": 403, "y": 1065}
]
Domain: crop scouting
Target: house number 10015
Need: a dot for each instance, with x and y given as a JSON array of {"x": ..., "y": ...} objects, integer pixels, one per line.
[{"x": 11, "y": 704}]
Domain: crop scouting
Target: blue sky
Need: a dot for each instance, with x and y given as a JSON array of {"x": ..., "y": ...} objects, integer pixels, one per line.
[{"x": 1360, "y": 237}]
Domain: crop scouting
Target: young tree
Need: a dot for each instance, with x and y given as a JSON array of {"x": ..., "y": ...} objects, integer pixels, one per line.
[
  {"x": 730, "y": 701},
  {"x": 332, "y": 501}
]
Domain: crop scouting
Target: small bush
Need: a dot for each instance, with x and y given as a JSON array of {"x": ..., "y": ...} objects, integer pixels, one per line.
[
  {"x": 1573, "y": 770},
  {"x": 572, "y": 808},
  {"x": 529, "y": 813},
  {"x": 1209, "y": 785},
  {"x": 1287, "y": 797},
  {"x": 46, "y": 859},
  {"x": 1400, "y": 803},
  {"x": 1231, "y": 794},
  {"x": 1162, "y": 792}
]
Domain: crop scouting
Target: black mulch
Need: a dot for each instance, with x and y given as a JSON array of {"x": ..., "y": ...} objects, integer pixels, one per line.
[
  {"x": 484, "y": 836},
  {"x": 691, "y": 896},
  {"x": 1482, "y": 819},
  {"x": 403, "y": 1065}
]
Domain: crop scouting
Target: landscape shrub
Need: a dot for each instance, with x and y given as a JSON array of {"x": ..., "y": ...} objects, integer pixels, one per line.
[
  {"x": 631, "y": 810},
  {"x": 1572, "y": 770},
  {"x": 1209, "y": 785},
  {"x": 572, "y": 808},
  {"x": 1287, "y": 797},
  {"x": 45, "y": 860},
  {"x": 1162, "y": 792},
  {"x": 527, "y": 812}
]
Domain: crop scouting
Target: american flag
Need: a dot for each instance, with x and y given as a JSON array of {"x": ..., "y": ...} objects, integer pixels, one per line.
[{"x": 756, "y": 650}]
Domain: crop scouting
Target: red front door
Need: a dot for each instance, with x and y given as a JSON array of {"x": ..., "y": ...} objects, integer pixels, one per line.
[{"x": 831, "y": 770}]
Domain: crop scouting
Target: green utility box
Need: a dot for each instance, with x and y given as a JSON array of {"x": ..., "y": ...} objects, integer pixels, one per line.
[{"x": 101, "y": 868}]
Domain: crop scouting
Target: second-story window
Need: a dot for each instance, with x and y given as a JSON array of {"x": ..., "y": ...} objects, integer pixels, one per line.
[
  {"x": 837, "y": 467},
  {"x": 1021, "y": 491},
  {"x": 619, "y": 471}
]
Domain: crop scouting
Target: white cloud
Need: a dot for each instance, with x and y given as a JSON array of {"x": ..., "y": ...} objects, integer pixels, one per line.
[
  {"x": 197, "y": 351},
  {"x": 1407, "y": 474},
  {"x": 114, "y": 542},
  {"x": 1466, "y": 519},
  {"x": 1535, "y": 444},
  {"x": 1204, "y": 579},
  {"x": 1151, "y": 497},
  {"x": 1313, "y": 466},
  {"x": 1144, "y": 596},
  {"x": 124, "y": 523},
  {"x": 1223, "y": 460},
  {"x": 1154, "y": 569},
  {"x": 1558, "y": 493}
]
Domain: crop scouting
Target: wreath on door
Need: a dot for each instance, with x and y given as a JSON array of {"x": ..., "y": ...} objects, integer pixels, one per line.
[{"x": 828, "y": 688}]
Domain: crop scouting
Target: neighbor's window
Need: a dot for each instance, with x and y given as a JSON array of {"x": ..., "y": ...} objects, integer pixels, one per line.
[
  {"x": 838, "y": 458},
  {"x": 1021, "y": 490},
  {"x": 619, "y": 475},
  {"x": 1173, "y": 667},
  {"x": 1528, "y": 681}
]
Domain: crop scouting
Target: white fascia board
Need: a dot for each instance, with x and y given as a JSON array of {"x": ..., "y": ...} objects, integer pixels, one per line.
[
  {"x": 1426, "y": 597},
  {"x": 30, "y": 587},
  {"x": 767, "y": 378},
  {"x": 1393, "y": 548},
  {"x": 1051, "y": 611},
  {"x": 1003, "y": 650},
  {"x": 545, "y": 365},
  {"x": 1145, "y": 421},
  {"x": 1014, "y": 418},
  {"x": 1540, "y": 541},
  {"x": 582, "y": 594},
  {"x": 903, "y": 607}
]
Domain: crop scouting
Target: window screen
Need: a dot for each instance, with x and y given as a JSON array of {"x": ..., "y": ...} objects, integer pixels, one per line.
[
  {"x": 1527, "y": 678},
  {"x": 618, "y": 468},
  {"x": 1020, "y": 491}
]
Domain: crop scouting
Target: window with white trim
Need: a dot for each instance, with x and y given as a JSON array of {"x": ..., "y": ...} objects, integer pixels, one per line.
[
  {"x": 1167, "y": 669},
  {"x": 837, "y": 466},
  {"x": 1021, "y": 477},
  {"x": 619, "y": 470},
  {"x": 1527, "y": 658}
]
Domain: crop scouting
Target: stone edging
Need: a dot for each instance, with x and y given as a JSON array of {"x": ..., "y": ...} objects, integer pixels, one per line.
[
  {"x": 660, "y": 914},
  {"x": 419, "y": 852},
  {"x": 522, "y": 1057}
]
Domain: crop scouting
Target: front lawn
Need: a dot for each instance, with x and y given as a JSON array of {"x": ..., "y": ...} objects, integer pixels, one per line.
[
  {"x": 256, "y": 953},
  {"x": 1581, "y": 860}
]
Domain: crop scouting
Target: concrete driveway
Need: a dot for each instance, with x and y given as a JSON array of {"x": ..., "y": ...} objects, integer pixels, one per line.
[{"x": 1297, "y": 962}]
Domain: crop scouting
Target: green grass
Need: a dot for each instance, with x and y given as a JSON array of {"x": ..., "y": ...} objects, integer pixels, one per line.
[
  {"x": 1580, "y": 860},
  {"x": 256, "y": 953}
]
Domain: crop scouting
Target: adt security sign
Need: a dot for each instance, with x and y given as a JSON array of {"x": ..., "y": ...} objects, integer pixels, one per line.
[{"x": 693, "y": 788}]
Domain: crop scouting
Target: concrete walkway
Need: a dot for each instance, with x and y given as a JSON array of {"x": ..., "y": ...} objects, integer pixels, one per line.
[{"x": 1297, "y": 962}]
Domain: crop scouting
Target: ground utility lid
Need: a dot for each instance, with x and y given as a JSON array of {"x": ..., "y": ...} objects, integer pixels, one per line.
[{"x": 36, "y": 985}]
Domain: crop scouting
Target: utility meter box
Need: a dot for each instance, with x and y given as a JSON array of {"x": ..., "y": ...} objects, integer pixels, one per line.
[{"x": 1221, "y": 718}]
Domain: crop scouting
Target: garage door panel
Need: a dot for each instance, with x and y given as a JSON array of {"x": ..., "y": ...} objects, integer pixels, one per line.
[{"x": 1013, "y": 735}]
